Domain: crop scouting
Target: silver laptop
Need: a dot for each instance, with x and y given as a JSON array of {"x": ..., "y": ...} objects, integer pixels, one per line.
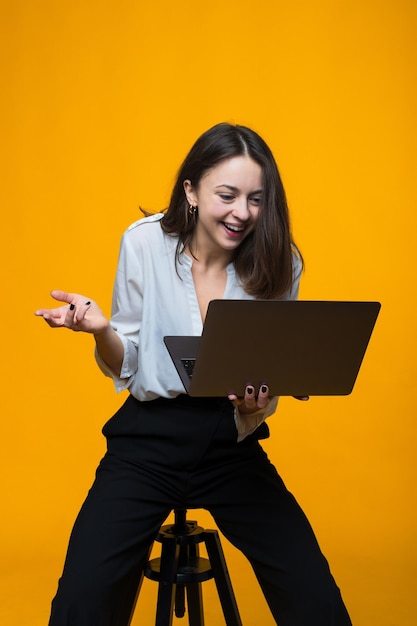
[{"x": 297, "y": 348}]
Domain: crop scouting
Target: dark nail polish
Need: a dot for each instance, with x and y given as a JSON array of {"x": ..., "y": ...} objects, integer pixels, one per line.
[
  {"x": 87, "y": 303},
  {"x": 264, "y": 389},
  {"x": 72, "y": 307},
  {"x": 249, "y": 390}
]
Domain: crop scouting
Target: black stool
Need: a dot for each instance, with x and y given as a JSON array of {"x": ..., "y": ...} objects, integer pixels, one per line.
[{"x": 180, "y": 569}]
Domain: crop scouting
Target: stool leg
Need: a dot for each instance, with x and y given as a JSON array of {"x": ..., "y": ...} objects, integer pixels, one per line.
[
  {"x": 166, "y": 588},
  {"x": 195, "y": 604},
  {"x": 194, "y": 593},
  {"x": 222, "y": 578}
]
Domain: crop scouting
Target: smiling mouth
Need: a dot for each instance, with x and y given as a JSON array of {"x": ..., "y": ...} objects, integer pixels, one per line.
[{"x": 232, "y": 228}]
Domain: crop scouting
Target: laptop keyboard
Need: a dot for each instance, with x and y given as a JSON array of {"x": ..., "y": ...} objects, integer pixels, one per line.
[{"x": 188, "y": 366}]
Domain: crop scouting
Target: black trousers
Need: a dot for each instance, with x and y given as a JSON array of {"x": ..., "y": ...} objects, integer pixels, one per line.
[{"x": 177, "y": 453}]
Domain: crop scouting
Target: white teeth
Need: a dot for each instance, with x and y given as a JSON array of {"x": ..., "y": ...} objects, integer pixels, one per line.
[{"x": 235, "y": 229}]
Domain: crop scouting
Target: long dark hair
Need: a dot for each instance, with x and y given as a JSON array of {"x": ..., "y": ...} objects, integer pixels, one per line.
[{"x": 264, "y": 261}]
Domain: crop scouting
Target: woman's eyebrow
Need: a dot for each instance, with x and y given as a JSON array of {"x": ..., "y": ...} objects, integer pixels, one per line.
[
  {"x": 236, "y": 189},
  {"x": 231, "y": 187}
]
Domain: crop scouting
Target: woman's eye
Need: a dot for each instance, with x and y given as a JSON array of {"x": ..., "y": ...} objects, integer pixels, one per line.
[
  {"x": 256, "y": 200},
  {"x": 226, "y": 197}
]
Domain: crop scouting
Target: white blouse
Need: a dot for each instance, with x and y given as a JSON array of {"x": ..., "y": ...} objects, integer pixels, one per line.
[{"x": 153, "y": 297}]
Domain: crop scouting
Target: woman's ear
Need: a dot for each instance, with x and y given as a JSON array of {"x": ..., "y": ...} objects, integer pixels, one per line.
[{"x": 189, "y": 192}]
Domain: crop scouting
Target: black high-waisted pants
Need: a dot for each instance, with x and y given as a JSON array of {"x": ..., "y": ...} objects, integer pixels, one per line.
[{"x": 167, "y": 454}]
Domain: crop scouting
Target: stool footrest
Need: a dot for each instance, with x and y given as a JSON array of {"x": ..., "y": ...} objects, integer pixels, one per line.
[{"x": 197, "y": 570}]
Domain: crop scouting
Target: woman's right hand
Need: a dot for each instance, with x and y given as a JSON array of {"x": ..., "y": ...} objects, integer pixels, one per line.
[{"x": 79, "y": 313}]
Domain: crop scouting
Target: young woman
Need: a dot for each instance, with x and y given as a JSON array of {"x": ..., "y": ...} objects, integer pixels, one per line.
[{"x": 225, "y": 234}]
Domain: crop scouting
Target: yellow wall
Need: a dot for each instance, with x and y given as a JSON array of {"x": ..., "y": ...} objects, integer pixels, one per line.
[{"x": 100, "y": 101}]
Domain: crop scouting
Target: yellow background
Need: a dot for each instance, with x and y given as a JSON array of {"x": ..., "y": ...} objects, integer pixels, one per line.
[{"x": 100, "y": 100}]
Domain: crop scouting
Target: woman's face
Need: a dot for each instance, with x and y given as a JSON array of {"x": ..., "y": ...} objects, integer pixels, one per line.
[{"x": 228, "y": 198}]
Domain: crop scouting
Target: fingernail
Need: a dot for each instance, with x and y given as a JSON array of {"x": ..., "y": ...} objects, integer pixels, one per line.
[
  {"x": 87, "y": 303},
  {"x": 72, "y": 307},
  {"x": 264, "y": 389},
  {"x": 249, "y": 390}
]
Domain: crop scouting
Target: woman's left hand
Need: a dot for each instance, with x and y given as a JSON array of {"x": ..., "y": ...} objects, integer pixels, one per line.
[{"x": 251, "y": 401}]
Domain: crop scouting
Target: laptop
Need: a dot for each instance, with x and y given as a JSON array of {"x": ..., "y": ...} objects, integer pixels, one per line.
[{"x": 297, "y": 348}]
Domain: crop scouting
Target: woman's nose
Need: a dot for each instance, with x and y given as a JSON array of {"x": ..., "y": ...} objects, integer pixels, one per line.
[{"x": 241, "y": 209}]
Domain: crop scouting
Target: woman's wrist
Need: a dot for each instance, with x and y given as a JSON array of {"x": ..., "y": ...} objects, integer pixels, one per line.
[{"x": 105, "y": 330}]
